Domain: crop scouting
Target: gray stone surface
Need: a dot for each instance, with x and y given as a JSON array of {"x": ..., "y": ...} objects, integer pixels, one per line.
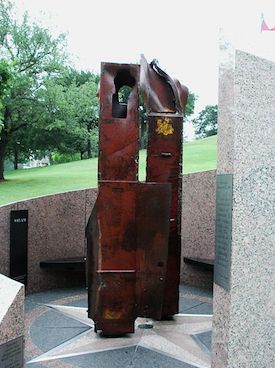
[
  {"x": 5, "y": 238},
  {"x": 242, "y": 332},
  {"x": 46, "y": 329},
  {"x": 91, "y": 195},
  {"x": 198, "y": 225},
  {"x": 11, "y": 309},
  {"x": 56, "y": 230}
]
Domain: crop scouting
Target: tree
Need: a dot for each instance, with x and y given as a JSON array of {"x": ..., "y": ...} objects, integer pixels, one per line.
[
  {"x": 206, "y": 123},
  {"x": 189, "y": 109},
  {"x": 31, "y": 55},
  {"x": 5, "y": 82},
  {"x": 85, "y": 85},
  {"x": 69, "y": 113}
]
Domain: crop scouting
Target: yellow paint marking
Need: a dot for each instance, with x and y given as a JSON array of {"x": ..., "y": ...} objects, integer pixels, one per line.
[
  {"x": 165, "y": 126},
  {"x": 112, "y": 314}
]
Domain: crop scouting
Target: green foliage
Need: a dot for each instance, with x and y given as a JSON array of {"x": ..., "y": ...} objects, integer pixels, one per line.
[
  {"x": 5, "y": 86},
  {"x": 49, "y": 105},
  {"x": 189, "y": 109},
  {"x": 69, "y": 114},
  {"x": 44, "y": 103},
  {"x": 30, "y": 55},
  {"x": 206, "y": 123},
  {"x": 94, "y": 143},
  {"x": 61, "y": 158}
]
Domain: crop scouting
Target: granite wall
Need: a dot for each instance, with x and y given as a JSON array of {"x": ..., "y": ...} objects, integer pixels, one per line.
[
  {"x": 57, "y": 229},
  {"x": 198, "y": 225},
  {"x": 5, "y": 237},
  {"x": 242, "y": 323}
]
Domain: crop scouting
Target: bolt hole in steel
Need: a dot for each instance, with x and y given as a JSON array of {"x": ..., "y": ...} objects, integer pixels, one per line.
[{"x": 166, "y": 154}]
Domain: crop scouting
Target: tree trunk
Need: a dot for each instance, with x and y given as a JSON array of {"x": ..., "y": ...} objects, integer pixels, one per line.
[
  {"x": 81, "y": 155},
  {"x": 89, "y": 149},
  {"x": 3, "y": 143},
  {"x": 15, "y": 157},
  {"x": 2, "y": 158}
]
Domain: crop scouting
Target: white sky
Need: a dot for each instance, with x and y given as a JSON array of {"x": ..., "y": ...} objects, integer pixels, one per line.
[{"x": 182, "y": 35}]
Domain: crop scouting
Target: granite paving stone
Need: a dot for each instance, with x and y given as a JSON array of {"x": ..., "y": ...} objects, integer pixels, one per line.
[{"x": 48, "y": 329}]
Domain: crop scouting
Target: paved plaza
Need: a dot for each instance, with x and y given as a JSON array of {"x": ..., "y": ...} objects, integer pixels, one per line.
[{"x": 59, "y": 334}]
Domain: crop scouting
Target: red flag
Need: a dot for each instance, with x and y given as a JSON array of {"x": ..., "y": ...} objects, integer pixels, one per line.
[{"x": 264, "y": 26}]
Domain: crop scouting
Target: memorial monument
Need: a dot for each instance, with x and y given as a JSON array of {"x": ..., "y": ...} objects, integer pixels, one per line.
[{"x": 134, "y": 238}]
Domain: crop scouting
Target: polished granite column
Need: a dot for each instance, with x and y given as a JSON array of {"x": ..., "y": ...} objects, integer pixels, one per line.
[
  {"x": 242, "y": 333},
  {"x": 11, "y": 323}
]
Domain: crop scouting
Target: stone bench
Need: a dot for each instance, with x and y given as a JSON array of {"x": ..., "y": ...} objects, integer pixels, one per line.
[
  {"x": 65, "y": 264},
  {"x": 207, "y": 264}
]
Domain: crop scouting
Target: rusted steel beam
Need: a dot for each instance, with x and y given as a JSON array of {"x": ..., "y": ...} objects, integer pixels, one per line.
[
  {"x": 129, "y": 227},
  {"x": 127, "y": 253},
  {"x": 164, "y": 157},
  {"x": 165, "y": 100}
]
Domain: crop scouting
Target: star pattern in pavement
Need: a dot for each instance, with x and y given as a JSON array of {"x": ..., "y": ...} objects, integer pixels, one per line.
[{"x": 175, "y": 338}]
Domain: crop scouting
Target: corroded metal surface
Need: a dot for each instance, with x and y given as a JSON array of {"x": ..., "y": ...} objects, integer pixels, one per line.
[
  {"x": 133, "y": 258},
  {"x": 128, "y": 230},
  {"x": 164, "y": 166},
  {"x": 165, "y": 100},
  {"x": 127, "y": 255},
  {"x": 161, "y": 93},
  {"x": 119, "y": 123}
]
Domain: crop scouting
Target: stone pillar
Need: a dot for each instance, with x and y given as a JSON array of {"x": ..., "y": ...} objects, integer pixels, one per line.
[
  {"x": 11, "y": 323},
  {"x": 242, "y": 323}
]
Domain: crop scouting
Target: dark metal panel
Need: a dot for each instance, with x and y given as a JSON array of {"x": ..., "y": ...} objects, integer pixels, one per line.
[
  {"x": 12, "y": 353},
  {"x": 19, "y": 245},
  {"x": 92, "y": 235},
  {"x": 152, "y": 224},
  {"x": 224, "y": 203}
]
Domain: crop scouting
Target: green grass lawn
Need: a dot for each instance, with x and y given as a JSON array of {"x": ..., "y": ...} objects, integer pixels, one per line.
[{"x": 199, "y": 155}]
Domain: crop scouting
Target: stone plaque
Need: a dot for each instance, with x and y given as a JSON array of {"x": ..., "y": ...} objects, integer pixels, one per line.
[
  {"x": 224, "y": 197},
  {"x": 11, "y": 354}
]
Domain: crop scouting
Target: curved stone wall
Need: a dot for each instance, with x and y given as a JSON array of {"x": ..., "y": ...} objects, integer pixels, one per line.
[{"x": 57, "y": 229}]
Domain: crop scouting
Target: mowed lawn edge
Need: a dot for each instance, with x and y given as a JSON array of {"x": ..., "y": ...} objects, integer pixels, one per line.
[{"x": 199, "y": 155}]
